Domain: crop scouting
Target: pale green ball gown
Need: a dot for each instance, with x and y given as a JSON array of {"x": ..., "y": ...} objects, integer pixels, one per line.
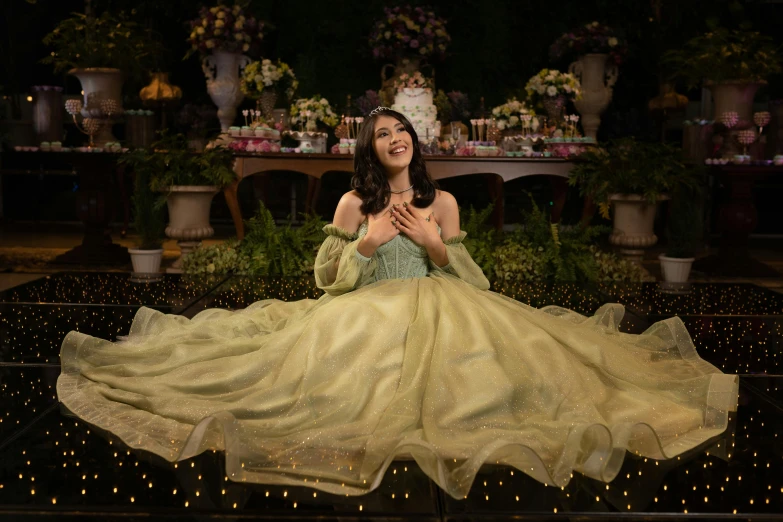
[{"x": 399, "y": 359}]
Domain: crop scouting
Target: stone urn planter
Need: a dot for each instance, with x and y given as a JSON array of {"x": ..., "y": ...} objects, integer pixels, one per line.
[
  {"x": 189, "y": 208},
  {"x": 597, "y": 78},
  {"x": 102, "y": 88},
  {"x": 633, "y": 224}
]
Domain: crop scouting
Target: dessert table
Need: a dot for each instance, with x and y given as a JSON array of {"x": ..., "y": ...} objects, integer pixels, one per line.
[{"x": 497, "y": 171}]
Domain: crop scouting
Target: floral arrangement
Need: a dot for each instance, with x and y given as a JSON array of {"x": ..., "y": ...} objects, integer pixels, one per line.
[
  {"x": 258, "y": 76},
  {"x": 591, "y": 38},
  {"x": 224, "y": 28},
  {"x": 412, "y": 81},
  {"x": 367, "y": 102},
  {"x": 508, "y": 114},
  {"x": 405, "y": 31},
  {"x": 308, "y": 111},
  {"x": 549, "y": 82}
]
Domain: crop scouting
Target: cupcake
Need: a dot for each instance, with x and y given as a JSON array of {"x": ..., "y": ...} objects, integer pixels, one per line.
[
  {"x": 234, "y": 131},
  {"x": 46, "y": 146},
  {"x": 246, "y": 131},
  {"x": 260, "y": 132},
  {"x": 56, "y": 146},
  {"x": 345, "y": 148}
]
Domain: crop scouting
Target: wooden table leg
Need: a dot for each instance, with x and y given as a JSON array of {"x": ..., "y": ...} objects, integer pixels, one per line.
[
  {"x": 313, "y": 189},
  {"x": 559, "y": 191},
  {"x": 230, "y": 193},
  {"x": 495, "y": 187}
]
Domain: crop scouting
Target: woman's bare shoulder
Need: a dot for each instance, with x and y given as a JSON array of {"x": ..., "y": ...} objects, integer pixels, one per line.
[
  {"x": 348, "y": 214},
  {"x": 445, "y": 201}
]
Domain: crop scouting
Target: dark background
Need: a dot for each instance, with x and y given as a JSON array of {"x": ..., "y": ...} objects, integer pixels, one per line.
[{"x": 496, "y": 46}]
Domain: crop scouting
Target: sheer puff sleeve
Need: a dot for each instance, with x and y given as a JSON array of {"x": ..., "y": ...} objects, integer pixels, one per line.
[
  {"x": 461, "y": 264},
  {"x": 339, "y": 267}
]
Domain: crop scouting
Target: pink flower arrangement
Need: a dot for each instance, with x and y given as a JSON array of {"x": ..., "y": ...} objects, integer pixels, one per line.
[
  {"x": 406, "y": 31},
  {"x": 591, "y": 38},
  {"x": 224, "y": 28},
  {"x": 412, "y": 81}
]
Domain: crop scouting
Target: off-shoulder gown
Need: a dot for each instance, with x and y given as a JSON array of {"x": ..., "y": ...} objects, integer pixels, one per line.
[{"x": 399, "y": 359}]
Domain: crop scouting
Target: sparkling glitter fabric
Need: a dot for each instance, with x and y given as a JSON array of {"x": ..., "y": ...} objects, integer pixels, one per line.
[{"x": 327, "y": 393}]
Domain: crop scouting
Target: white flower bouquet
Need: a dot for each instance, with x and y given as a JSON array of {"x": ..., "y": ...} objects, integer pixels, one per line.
[
  {"x": 509, "y": 115},
  {"x": 258, "y": 76},
  {"x": 308, "y": 111},
  {"x": 551, "y": 83}
]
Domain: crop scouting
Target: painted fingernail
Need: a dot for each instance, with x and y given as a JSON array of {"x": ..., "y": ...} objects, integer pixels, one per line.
[{"x": 404, "y": 203}]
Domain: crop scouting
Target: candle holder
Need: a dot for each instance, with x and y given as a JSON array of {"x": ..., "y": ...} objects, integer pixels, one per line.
[
  {"x": 91, "y": 125},
  {"x": 746, "y": 137}
]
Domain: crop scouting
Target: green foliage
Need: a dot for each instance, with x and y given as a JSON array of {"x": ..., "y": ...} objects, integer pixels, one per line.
[
  {"x": 685, "y": 227},
  {"x": 443, "y": 106},
  {"x": 102, "y": 41},
  {"x": 266, "y": 250},
  {"x": 627, "y": 166},
  {"x": 148, "y": 218},
  {"x": 225, "y": 258},
  {"x": 481, "y": 240},
  {"x": 170, "y": 162},
  {"x": 723, "y": 55},
  {"x": 537, "y": 251},
  {"x": 613, "y": 268},
  {"x": 562, "y": 252},
  {"x": 540, "y": 250},
  {"x": 290, "y": 251}
]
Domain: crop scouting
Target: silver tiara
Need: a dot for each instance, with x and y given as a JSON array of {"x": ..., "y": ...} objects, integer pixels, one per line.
[{"x": 379, "y": 109}]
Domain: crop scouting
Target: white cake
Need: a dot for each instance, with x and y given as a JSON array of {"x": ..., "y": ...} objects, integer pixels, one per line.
[{"x": 417, "y": 106}]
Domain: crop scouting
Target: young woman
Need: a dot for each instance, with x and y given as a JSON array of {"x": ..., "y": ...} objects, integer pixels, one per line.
[{"x": 407, "y": 355}]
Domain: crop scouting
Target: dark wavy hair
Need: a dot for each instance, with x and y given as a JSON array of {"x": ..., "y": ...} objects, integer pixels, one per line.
[{"x": 369, "y": 177}]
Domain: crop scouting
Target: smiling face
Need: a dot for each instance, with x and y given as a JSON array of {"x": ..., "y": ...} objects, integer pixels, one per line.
[{"x": 393, "y": 144}]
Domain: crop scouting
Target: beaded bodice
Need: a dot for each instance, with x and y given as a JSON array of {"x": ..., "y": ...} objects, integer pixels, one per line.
[{"x": 400, "y": 258}]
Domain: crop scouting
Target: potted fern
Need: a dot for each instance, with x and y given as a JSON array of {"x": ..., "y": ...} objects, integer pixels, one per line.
[
  {"x": 733, "y": 64},
  {"x": 101, "y": 51},
  {"x": 189, "y": 180},
  {"x": 148, "y": 217},
  {"x": 685, "y": 234},
  {"x": 632, "y": 177}
]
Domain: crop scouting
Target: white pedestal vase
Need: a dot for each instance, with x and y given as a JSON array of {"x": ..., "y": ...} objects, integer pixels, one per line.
[
  {"x": 633, "y": 224},
  {"x": 98, "y": 84},
  {"x": 189, "y": 218},
  {"x": 676, "y": 269},
  {"x": 597, "y": 78},
  {"x": 146, "y": 261},
  {"x": 733, "y": 96},
  {"x": 222, "y": 70}
]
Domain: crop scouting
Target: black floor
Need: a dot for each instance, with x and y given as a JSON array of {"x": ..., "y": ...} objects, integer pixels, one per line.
[{"x": 54, "y": 466}]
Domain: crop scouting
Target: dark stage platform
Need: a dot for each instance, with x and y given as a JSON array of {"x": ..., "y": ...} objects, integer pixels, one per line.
[{"x": 55, "y": 467}]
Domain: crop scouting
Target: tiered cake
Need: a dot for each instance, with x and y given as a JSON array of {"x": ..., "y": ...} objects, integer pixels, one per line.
[{"x": 416, "y": 104}]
